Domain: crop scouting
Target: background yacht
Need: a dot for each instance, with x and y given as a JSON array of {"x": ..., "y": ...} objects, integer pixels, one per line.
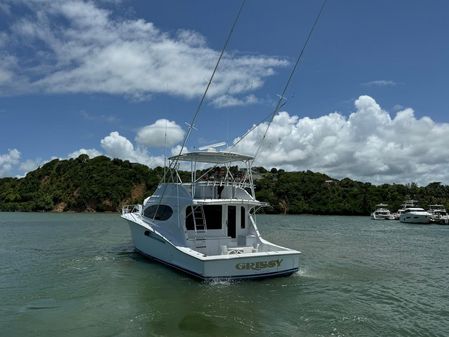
[
  {"x": 439, "y": 214},
  {"x": 411, "y": 213},
  {"x": 382, "y": 213}
]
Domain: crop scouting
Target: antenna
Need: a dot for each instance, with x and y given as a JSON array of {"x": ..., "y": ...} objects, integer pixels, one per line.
[
  {"x": 212, "y": 146},
  {"x": 175, "y": 162},
  {"x": 191, "y": 126},
  {"x": 165, "y": 150},
  {"x": 281, "y": 96},
  {"x": 283, "y": 100}
]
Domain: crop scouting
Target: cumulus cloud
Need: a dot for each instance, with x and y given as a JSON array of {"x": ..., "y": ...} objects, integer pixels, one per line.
[
  {"x": 8, "y": 161},
  {"x": 12, "y": 165},
  {"x": 118, "y": 146},
  {"x": 161, "y": 133},
  {"x": 149, "y": 137},
  {"x": 92, "y": 153},
  {"x": 29, "y": 165},
  {"x": 76, "y": 46},
  {"x": 8, "y": 65},
  {"x": 114, "y": 145},
  {"x": 229, "y": 100},
  {"x": 368, "y": 145}
]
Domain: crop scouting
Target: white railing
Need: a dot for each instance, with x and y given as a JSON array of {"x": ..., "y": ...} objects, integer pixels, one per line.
[
  {"x": 214, "y": 183},
  {"x": 132, "y": 209}
]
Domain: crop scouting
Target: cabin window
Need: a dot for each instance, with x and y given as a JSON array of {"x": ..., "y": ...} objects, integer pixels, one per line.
[
  {"x": 189, "y": 219},
  {"x": 164, "y": 212},
  {"x": 242, "y": 217},
  {"x": 212, "y": 214}
]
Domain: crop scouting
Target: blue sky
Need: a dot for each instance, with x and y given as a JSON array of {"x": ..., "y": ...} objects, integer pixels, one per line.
[{"x": 368, "y": 101}]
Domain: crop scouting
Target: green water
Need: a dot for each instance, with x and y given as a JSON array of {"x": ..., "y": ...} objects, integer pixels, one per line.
[{"x": 77, "y": 275}]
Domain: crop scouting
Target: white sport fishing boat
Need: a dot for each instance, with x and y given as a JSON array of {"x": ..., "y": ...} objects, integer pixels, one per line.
[
  {"x": 382, "y": 213},
  {"x": 207, "y": 227}
]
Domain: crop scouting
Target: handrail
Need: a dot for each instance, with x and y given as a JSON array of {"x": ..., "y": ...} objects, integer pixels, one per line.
[
  {"x": 132, "y": 209},
  {"x": 214, "y": 183}
]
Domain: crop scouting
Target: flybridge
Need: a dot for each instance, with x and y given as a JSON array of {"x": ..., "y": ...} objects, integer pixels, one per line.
[
  {"x": 218, "y": 181},
  {"x": 213, "y": 157}
]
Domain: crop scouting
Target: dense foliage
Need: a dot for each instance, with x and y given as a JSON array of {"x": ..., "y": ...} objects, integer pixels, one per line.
[
  {"x": 81, "y": 184},
  {"x": 316, "y": 193},
  {"x": 103, "y": 184}
]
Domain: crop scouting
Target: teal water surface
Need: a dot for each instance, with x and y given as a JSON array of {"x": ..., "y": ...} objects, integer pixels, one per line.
[{"x": 77, "y": 275}]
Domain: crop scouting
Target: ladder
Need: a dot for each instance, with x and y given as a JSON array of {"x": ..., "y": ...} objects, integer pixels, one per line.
[{"x": 200, "y": 226}]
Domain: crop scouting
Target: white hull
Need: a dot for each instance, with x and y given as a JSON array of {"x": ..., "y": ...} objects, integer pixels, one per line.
[
  {"x": 439, "y": 214},
  {"x": 382, "y": 217},
  {"x": 241, "y": 266},
  {"x": 382, "y": 213},
  {"x": 442, "y": 220},
  {"x": 415, "y": 218}
]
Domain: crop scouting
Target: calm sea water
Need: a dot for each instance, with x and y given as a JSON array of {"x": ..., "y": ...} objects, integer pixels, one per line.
[{"x": 77, "y": 275}]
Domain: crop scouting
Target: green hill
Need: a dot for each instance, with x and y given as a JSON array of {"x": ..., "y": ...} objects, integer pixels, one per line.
[
  {"x": 316, "y": 193},
  {"x": 103, "y": 184},
  {"x": 81, "y": 184}
]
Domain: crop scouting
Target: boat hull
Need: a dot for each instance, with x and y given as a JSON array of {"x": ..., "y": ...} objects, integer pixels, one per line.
[
  {"x": 415, "y": 218},
  {"x": 151, "y": 245},
  {"x": 382, "y": 217}
]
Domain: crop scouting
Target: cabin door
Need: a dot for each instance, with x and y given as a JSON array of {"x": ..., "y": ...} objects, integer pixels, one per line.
[{"x": 231, "y": 221}]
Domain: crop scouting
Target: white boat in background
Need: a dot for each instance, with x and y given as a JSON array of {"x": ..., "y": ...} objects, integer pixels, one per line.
[
  {"x": 382, "y": 213},
  {"x": 403, "y": 207},
  {"x": 206, "y": 227},
  {"x": 411, "y": 213},
  {"x": 439, "y": 214}
]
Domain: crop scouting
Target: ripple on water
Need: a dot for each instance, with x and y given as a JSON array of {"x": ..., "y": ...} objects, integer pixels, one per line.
[
  {"x": 40, "y": 304},
  {"x": 79, "y": 275}
]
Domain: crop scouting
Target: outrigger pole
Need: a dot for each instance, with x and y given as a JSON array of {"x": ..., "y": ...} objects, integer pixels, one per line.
[
  {"x": 173, "y": 164},
  {"x": 281, "y": 100}
]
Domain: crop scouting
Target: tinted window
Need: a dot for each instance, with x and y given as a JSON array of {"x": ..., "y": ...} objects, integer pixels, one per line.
[
  {"x": 189, "y": 219},
  {"x": 242, "y": 217},
  {"x": 213, "y": 217},
  {"x": 164, "y": 212}
]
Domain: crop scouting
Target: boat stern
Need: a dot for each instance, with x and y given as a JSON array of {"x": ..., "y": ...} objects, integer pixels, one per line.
[{"x": 250, "y": 266}]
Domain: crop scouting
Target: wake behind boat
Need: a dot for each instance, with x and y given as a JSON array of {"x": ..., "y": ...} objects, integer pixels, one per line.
[{"x": 207, "y": 227}]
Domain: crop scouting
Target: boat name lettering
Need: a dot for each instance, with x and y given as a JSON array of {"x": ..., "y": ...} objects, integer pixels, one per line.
[{"x": 258, "y": 265}]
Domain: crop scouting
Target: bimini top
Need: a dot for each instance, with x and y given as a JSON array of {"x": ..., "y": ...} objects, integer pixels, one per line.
[{"x": 212, "y": 157}]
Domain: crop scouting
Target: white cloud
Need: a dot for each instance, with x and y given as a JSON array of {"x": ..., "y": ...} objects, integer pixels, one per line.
[
  {"x": 175, "y": 151},
  {"x": 5, "y": 8},
  {"x": 117, "y": 146},
  {"x": 398, "y": 107},
  {"x": 8, "y": 161},
  {"x": 380, "y": 83},
  {"x": 78, "y": 47},
  {"x": 92, "y": 153},
  {"x": 161, "y": 133},
  {"x": 102, "y": 118},
  {"x": 225, "y": 101},
  {"x": 369, "y": 145},
  {"x": 29, "y": 165},
  {"x": 7, "y": 67}
]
